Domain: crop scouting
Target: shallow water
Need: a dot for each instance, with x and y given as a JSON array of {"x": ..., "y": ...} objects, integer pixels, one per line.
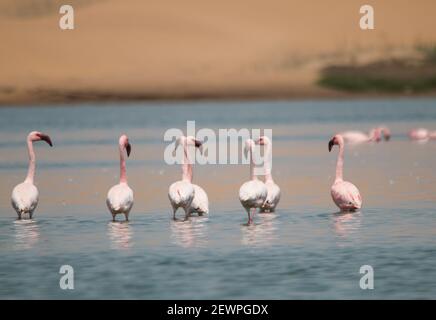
[{"x": 305, "y": 250}]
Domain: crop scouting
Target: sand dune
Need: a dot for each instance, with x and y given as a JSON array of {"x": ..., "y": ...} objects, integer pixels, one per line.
[{"x": 176, "y": 49}]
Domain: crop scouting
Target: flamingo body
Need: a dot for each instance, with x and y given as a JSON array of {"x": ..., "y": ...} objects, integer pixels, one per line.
[
  {"x": 252, "y": 194},
  {"x": 346, "y": 196},
  {"x": 25, "y": 199},
  {"x": 200, "y": 203},
  {"x": 120, "y": 200},
  {"x": 272, "y": 198},
  {"x": 181, "y": 193},
  {"x": 357, "y": 137},
  {"x": 419, "y": 134}
]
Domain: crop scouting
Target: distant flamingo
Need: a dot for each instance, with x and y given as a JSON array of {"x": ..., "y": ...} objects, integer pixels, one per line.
[
  {"x": 184, "y": 193},
  {"x": 273, "y": 197},
  {"x": 356, "y": 137},
  {"x": 253, "y": 193},
  {"x": 120, "y": 196},
  {"x": 419, "y": 134},
  {"x": 345, "y": 194},
  {"x": 25, "y": 195}
]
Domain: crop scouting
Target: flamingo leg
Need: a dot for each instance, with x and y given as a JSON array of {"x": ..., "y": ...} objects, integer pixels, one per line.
[
  {"x": 127, "y": 216},
  {"x": 113, "y": 217}
]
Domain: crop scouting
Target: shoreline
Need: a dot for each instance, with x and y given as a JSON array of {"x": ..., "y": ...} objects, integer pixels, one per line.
[{"x": 78, "y": 97}]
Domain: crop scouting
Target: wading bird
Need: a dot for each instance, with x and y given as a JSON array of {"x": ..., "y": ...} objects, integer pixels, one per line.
[
  {"x": 120, "y": 196},
  {"x": 273, "y": 196},
  {"x": 183, "y": 193},
  {"x": 421, "y": 134},
  {"x": 344, "y": 194},
  {"x": 356, "y": 137},
  {"x": 25, "y": 195},
  {"x": 253, "y": 193}
]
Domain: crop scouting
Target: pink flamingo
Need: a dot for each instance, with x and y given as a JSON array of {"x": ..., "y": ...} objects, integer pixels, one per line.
[
  {"x": 421, "y": 134},
  {"x": 183, "y": 193},
  {"x": 25, "y": 195},
  {"x": 120, "y": 197},
  {"x": 355, "y": 137},
  {"x": 344, "y": 194},
  {"x": 273, "y": 197},
  {"x": 252, "y": 193}
]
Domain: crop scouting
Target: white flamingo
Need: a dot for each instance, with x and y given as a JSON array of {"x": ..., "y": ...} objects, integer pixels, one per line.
[
  {"x": 344, "y": 194},
  {"x": 253, "y": 193},
  {"x": 183, "y": 193},
  {"x": 120, "y": 196},
  {"x": 25, "y": 195},
  {"x": 273, "y": 196}
]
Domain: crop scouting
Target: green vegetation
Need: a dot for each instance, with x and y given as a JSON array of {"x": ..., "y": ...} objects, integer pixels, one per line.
[{"x": 393, "y": 76}]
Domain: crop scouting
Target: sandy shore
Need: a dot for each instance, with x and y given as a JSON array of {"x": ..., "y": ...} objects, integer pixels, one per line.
[{"x": 194, "y": 49}]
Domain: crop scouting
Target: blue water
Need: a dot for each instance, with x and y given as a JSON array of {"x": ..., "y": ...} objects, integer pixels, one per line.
[{"x": 307, "y": 250}]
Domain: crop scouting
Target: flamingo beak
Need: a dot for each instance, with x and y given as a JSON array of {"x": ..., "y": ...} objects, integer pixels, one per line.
[
  {"x": 260, "y": 142},
  {"x": 45, "y": 138},
  {"x": 199, "y": 145},
  {"x": 128, "y": 148},
  {"x": 387, "y": 137},
  {"x": 331, "y": 144}
]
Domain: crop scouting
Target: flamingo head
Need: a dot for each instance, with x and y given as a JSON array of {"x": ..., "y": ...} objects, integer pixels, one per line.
[
  {"x": 386, "y": 133},
  {"x": 39, "y": 136},
  {"x": 336, "y": 140},
  {"x": 189, "y": 141},
  {"x": 125, "y": 144},
  {"x": 263, "y": 140}
]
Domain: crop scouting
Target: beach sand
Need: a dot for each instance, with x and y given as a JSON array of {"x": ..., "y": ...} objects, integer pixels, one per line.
[{"x": 195, "y": 49}]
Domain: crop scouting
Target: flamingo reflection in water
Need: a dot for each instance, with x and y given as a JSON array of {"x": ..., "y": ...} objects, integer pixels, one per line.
[
  {"x": 26, "y": 233},
  {"x": 120, "y": 234},
  {"x": 190, "y": 233},
  {"x": 261, "y": 234}
]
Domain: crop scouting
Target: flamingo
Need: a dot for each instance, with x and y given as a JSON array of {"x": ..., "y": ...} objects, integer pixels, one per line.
[
  {"x": 183, "y": 193},
  {"x": 25, "y": 195},
  {"x": 420, "y": 134},
  {"x": 273, "y": 196},
  {"x": 356, "y": 137},
  {"x": 120, "y": 197},
  {"x": 344, "y": 194},
  {"x": 253, "y": 193}
]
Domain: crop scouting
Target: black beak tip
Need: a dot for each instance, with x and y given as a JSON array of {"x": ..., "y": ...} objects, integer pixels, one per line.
[
  {"x": 198, "y": 143},
  {"x": 330, "y": 145},
  {"x": 128, "y": 149}
]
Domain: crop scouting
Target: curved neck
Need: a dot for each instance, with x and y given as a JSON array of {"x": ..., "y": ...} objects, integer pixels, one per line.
[
  {"x": 340, "y": 163},
  {"x": 252, "y": 175},
  {"x": 267, "y": 163},
  {"x": 123, "y": 173},
  {"x": 187, "y": 164},
  {"x": 32, "y": 162}
]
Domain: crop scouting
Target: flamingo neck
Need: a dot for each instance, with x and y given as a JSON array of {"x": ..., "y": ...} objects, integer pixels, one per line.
[
  {"x": 267, "y": 163},
  {"x": 186, "y": 165},
  {"x": 32, "y": 162},
  {"x": 340, "y": 163},
  {"x": 123, "y": 173},
  {"x": 252, "y": 166}
]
